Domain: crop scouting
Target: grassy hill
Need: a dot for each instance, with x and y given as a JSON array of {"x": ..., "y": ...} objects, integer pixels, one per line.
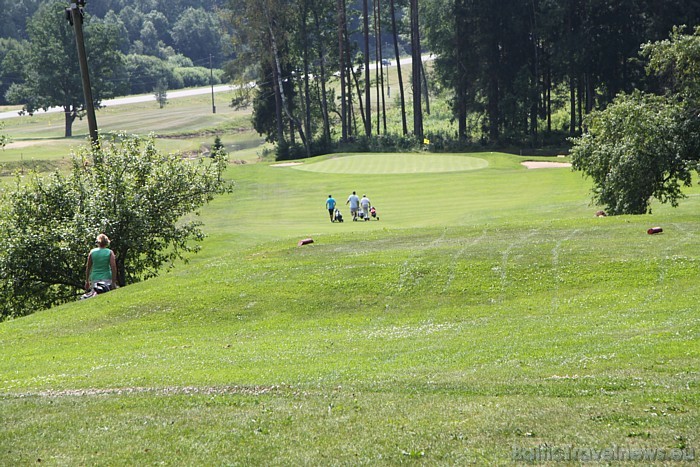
[
  {"x": 487, "y": 318},
  {"x": 186, "y": 124}
]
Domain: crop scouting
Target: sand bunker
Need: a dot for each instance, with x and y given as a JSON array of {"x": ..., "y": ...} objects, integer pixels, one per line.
[
  {"x": 21, "y": 144},
  {"x": 286, "y": 164},
  {"x": 545, "y": 164}
]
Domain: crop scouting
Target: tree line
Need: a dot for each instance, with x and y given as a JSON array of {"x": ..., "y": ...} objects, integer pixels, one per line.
[
  {"x": 514, "y": 72},
  {"x": 134, "y": 47},
  {"x": 153, "y": 27}
]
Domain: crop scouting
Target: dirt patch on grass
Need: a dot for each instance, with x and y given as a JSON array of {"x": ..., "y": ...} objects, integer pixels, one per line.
[{"x": 545, "y": 164}]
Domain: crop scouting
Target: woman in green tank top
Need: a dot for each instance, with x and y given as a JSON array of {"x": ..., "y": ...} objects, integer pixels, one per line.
[{"x": 101, "y": 264}]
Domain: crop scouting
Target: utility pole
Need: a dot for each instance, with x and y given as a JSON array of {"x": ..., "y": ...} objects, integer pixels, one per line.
[
  {"x": 211, "y": 80},
  {"x": 74, "y": 14}
]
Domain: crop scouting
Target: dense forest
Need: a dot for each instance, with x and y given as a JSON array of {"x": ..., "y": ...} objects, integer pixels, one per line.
[
  {"x": 513, "y": 71},
  {"x": 172, "y": 43}
]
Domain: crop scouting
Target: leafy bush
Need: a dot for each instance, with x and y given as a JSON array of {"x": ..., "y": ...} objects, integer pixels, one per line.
[
  {"x": 634, "y": 150},
  {"x": 645, "y": 146},
  {"x": 124, "y": 188},
  {"x": 195, "y": 76},
  {"x": 145, "y": 71}
]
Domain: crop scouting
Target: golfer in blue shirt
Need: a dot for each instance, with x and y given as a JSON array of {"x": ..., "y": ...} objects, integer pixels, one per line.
[{"x": 330, "y": 205}]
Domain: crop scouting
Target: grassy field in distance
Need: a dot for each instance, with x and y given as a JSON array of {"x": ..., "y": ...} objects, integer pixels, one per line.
[{"x": 186, "y": 124}]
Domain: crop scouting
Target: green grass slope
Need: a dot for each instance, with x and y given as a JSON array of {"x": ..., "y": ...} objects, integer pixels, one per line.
[{"x": 487, "y": 318}]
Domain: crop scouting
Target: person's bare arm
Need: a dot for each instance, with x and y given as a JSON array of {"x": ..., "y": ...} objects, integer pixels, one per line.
[
  {"x": 88, "y": 266},
  {"x": 113, "y": 267}
]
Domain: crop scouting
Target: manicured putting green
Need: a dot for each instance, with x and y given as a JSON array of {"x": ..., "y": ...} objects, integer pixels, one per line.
[{"x": 394, "y": 164}]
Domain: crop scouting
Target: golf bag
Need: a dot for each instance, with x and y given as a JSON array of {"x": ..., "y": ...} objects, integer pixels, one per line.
[
  {"x": 337, "y": 216},
  {"x": 97, "y": 288}
]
